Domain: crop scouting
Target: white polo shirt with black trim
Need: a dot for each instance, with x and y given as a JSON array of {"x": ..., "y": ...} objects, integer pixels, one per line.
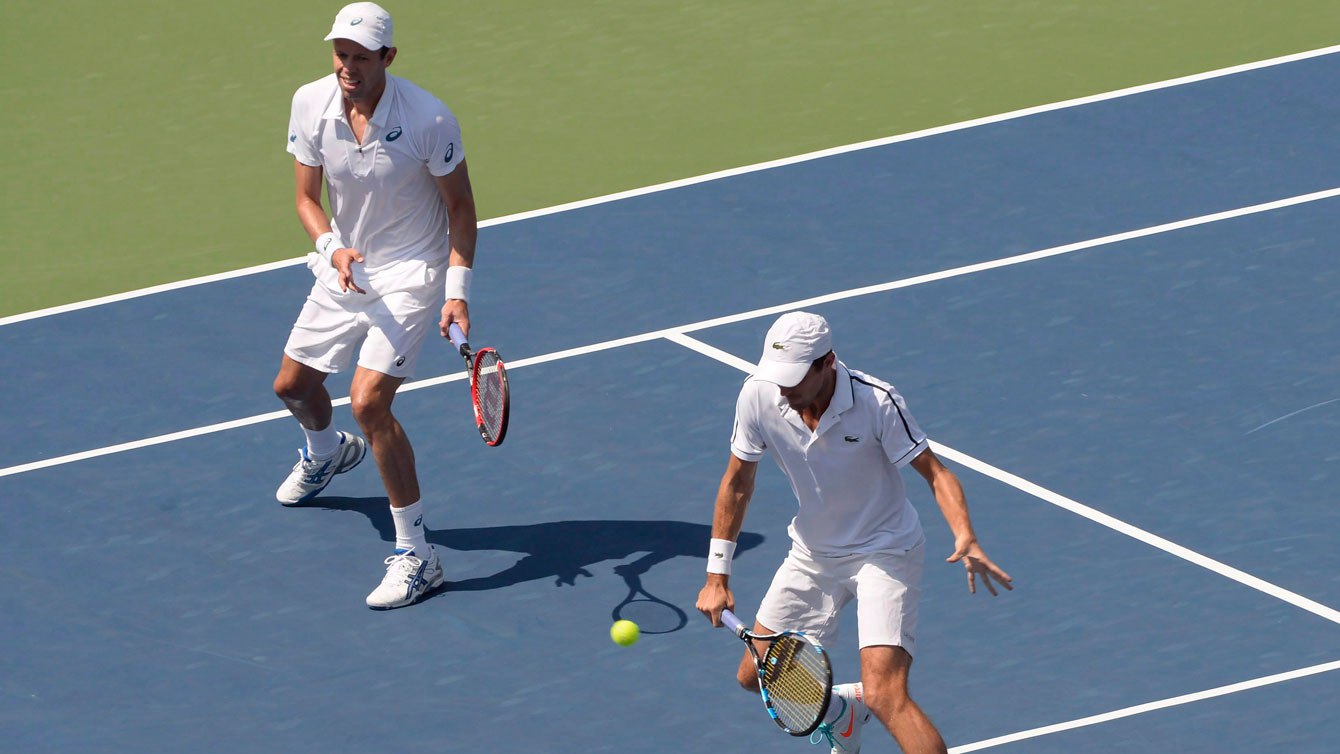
[
  {"x": 382, "y": 195},
  {"x": 845, "y": 474}
]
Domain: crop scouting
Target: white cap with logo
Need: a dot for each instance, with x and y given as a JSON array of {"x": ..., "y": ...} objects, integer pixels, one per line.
[
  {"x": 793, "y": 342},
  {"x": 365, "y": 23}
]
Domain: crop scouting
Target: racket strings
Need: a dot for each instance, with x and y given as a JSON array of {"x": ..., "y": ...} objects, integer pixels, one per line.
[
  {"x": 491, "y": 387},
  {"x": 796, "y": 674}
]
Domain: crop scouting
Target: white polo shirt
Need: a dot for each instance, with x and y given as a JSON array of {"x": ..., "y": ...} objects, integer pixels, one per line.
[
  {"x": 845, "y": 474},
  {"x": 381, "y": 192}
]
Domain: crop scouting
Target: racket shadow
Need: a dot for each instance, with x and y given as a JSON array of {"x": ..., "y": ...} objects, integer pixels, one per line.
[{"x": 563, "y": 551}]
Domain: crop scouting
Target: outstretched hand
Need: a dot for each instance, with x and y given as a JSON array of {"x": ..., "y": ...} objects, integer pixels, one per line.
[{"x": 978, "y": 565}]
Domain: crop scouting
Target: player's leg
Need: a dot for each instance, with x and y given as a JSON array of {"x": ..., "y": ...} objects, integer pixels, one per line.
[
  {"x": 884, "y": 672},
  {"x": 806, "y": 594},
  {"x": 386, "y": 360},
  {"x": 320, "y": 343},
  {"x": 370, "y": 397},
  {"x": 888, "y": 590},
  {"x": 303, "y": 391}
]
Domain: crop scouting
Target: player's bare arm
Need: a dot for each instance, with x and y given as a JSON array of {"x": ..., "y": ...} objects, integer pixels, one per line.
[
  {"x": 307, "y": 183},
  {"x": 733, "y": 496},
  {"x": 459, "y": 198},
  {"x": 949, "y": 496}
]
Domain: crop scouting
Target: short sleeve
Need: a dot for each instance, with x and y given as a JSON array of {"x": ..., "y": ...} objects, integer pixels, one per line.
[
  {"x": 443, "y": 147},
  {"x": 900, "y": 436},
  {"x": 301, "y": 137},
  {"x": 747, "y": 442}
]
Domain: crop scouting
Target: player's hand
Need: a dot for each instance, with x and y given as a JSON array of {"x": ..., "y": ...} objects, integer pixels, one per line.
[
  {"x": 715, "y": 597},
  {"x": 458, "y": 312},
  {"x": 344, "y": 260},
  {"x": 977, "y": 564}
]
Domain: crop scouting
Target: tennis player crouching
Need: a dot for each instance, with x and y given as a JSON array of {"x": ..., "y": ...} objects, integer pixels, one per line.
[{"x": 841, "y": 437}]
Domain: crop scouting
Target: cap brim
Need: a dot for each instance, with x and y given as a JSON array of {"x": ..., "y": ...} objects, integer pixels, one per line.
[
  {"x": 368, "y": 43},
  {"x": 782, "y": 373}
]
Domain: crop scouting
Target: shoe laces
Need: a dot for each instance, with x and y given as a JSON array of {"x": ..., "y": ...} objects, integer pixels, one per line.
[
  {"x": 313, "y": 471},
  {"x": 403, "y": 563},
  {"x": 824, "y": 733}
]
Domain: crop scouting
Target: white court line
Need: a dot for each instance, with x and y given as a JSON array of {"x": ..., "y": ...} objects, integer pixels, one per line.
[
  {"x": 719, "y": 321},
  {"x": 1149, "y": 707},
  {"x": 720, "y": 174},
  {"x": 1153, "y": 540}
]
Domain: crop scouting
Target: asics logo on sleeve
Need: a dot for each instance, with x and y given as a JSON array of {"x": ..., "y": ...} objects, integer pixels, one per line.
[
  {"x": 451, "y": 150},
  {"x": 395, "y": 134}
]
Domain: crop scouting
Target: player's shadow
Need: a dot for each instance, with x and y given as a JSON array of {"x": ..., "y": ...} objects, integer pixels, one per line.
[{"x": 560, "y": 550}]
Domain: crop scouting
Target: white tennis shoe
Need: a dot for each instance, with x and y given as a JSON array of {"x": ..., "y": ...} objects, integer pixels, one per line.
[
  {"x": 310, "y": 476},
  {"x": 843, "y": 735},
  {"x": 408, "y": 579}
]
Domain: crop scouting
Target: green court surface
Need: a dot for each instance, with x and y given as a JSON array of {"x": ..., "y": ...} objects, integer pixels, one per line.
[{"x": 146, "y": 140}]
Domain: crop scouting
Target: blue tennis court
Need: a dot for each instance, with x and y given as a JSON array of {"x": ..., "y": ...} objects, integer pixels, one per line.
[{"x": 1116, "y": 319}]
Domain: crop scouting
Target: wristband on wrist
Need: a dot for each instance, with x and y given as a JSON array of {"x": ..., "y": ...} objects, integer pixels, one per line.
[
  {"x": 327, "y": 244},
  {"x": 719, "y": 555},
  {"x": 458, "y": 282}
]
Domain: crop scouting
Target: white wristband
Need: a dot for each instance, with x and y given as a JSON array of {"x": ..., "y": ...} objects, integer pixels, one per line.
[
  {"x": 458, "y": 282},
  {"x": 719, "y": 555},
  {"x": 327, "y": 244}
]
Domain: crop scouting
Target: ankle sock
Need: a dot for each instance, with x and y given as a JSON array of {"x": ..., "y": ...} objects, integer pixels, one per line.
[
  {"x": 322, "y": 443},
  {"x": 409, "y": 533}
]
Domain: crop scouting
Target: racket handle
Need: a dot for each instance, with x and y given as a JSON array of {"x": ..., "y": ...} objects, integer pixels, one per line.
[
  {"x": 729, "y": 620},
  {"x": 457, "y": 337}
]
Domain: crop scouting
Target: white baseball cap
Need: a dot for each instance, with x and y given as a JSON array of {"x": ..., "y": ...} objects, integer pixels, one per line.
[
  {"x": 793, "y": 342},
  {"x": 365, "y": 23}
]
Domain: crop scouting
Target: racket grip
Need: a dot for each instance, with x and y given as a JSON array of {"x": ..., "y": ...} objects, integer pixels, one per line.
[
  {"x": 729, "y": 620},
  {"x": 457, "y": 336}
]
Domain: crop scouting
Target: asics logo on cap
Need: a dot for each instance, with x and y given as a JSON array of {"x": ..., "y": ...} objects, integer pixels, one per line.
[{"x": 356, "y": 22}]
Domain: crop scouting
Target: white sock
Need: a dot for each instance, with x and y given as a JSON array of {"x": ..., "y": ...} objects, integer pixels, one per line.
[
  {"x": 409, "y": 533},
  {"x": 322, "y": 443},
  {"x": 845, "y": 692}
]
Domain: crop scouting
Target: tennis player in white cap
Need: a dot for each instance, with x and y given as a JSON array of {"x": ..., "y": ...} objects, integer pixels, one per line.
[
  {"x": 841, "y": 437},
  {"x": 393, "y": 261}
]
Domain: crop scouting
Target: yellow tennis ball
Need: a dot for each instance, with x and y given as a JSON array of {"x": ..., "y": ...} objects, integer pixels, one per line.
[{"x": 625, "y": 633}]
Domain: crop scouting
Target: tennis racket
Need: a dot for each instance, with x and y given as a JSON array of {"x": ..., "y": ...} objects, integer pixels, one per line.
[
  {"x": 488, "y": 387},
  {"x": 795, "y": 676}
]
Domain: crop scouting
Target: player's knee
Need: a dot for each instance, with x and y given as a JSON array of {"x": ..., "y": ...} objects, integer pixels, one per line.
[
  {"x": 890, "y": 697},
  {"x": 369, "y": 412},
  {"x": 748, "y": 679},
  {"x": 288, "y": 388}
]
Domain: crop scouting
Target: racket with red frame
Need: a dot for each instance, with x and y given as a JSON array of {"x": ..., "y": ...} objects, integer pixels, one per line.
[{"x": 488, "y": 387}]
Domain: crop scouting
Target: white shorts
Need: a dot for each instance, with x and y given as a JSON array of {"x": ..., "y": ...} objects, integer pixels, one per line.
[
  {"x": 390, "y": 326},
  {"x": 808, "y": 593}
]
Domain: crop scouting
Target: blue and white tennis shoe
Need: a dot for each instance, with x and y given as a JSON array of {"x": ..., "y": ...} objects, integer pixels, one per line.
[
  {"x": 309, "y": 475},
  {"x": 408, "y": 578}
]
